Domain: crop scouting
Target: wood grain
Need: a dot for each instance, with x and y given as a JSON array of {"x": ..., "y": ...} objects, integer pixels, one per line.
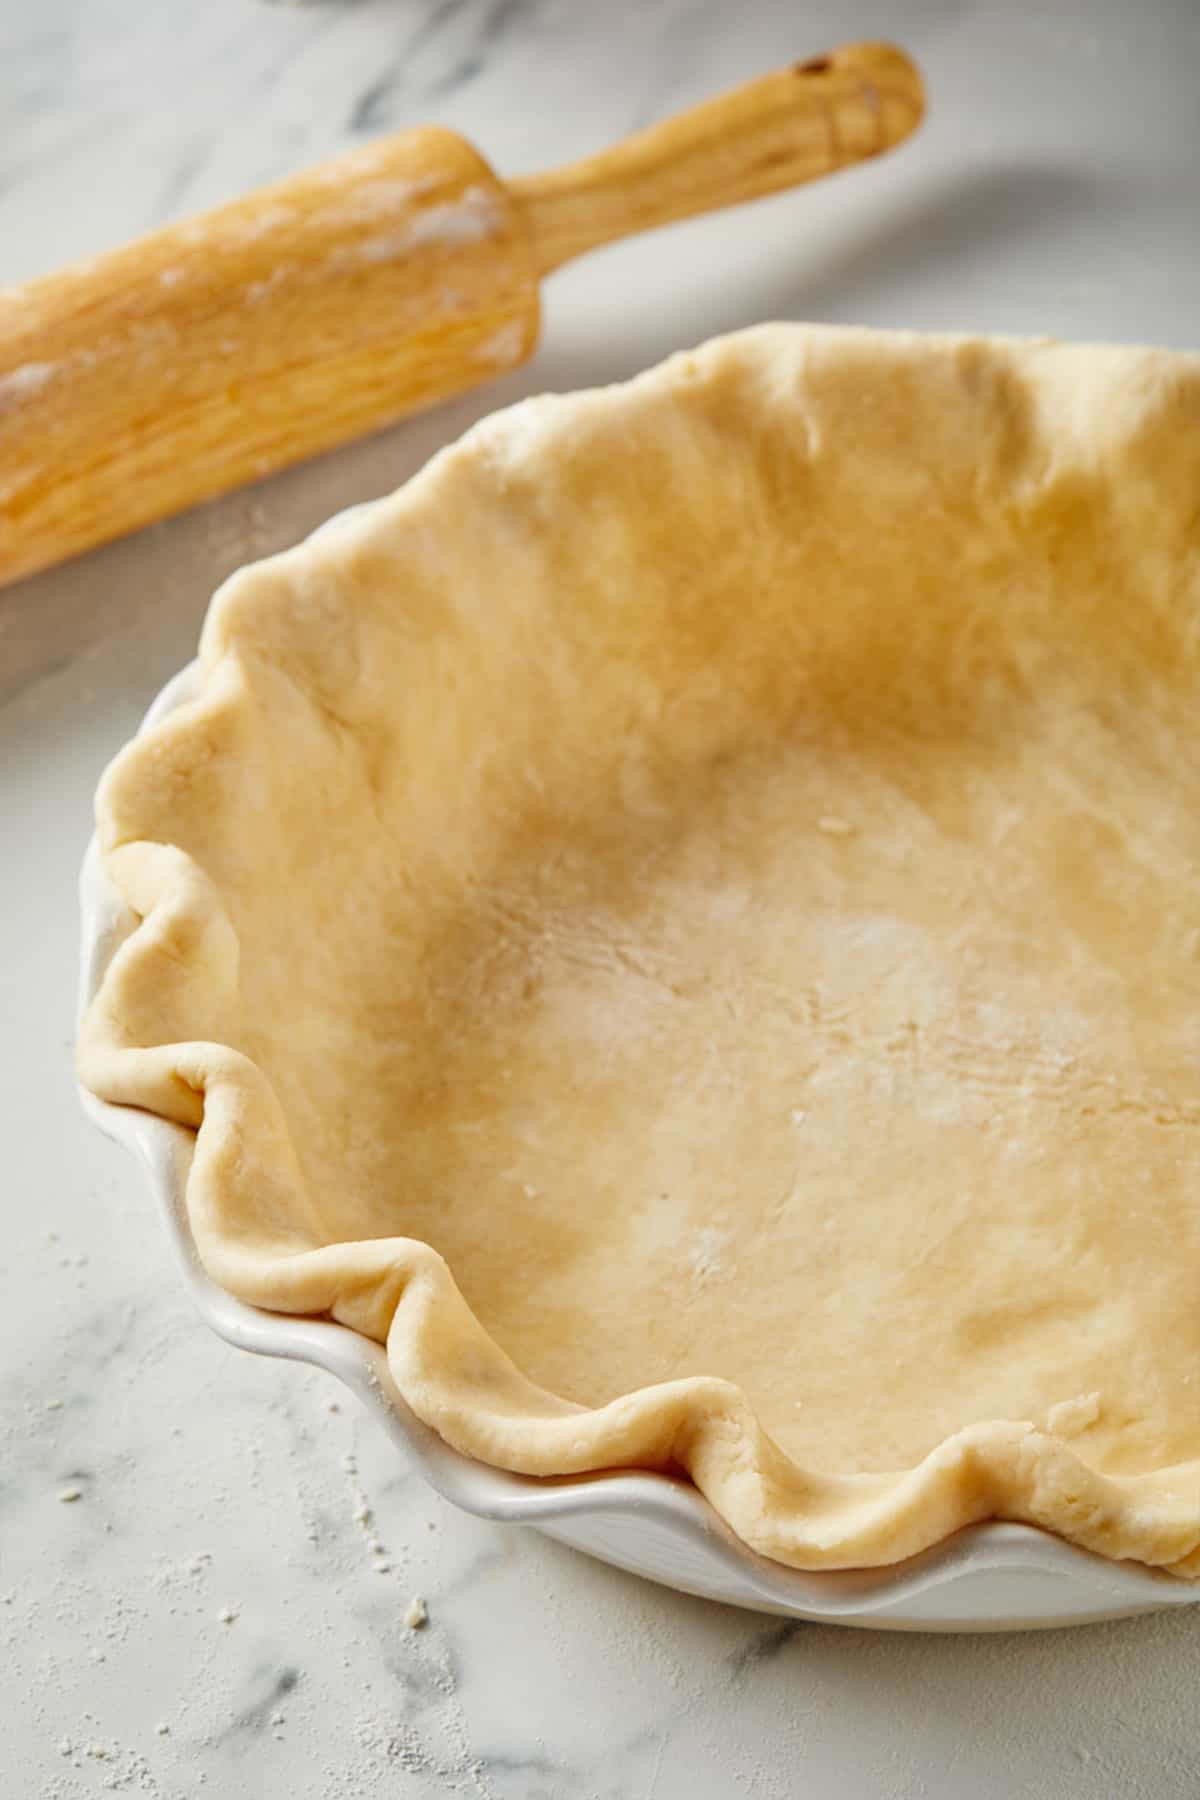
[
  {"x": 232, "y": 345},
  {"x": 786, "y": 128},
  {"x": 221, "y": 349}
]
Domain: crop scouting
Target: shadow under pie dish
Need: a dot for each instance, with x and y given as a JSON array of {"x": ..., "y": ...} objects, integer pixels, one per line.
[{"x": 682, "y": 924}]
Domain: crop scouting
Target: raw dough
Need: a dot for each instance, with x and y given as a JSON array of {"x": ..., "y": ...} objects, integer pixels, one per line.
[{"x": 717, "y": 860}]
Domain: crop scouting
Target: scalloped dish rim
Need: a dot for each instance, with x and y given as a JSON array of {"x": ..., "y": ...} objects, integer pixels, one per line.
[{"x": 992, "y": 1576}]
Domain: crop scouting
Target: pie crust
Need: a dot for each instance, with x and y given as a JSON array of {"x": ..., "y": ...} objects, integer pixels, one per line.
[{"x": 684, "y": 923}]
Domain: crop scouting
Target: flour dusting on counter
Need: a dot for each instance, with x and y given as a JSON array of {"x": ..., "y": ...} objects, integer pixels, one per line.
[{"x": 540, "y": 1673}]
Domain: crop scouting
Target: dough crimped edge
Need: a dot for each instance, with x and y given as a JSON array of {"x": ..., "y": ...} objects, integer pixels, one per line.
[{"x": 259, "y": 1233}]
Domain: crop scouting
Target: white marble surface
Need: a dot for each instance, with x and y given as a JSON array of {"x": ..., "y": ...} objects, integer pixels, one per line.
[{"x": 209, "y": 1615}]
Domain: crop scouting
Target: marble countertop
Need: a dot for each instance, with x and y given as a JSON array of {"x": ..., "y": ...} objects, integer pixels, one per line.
[{"x": 191, "y": 1596}]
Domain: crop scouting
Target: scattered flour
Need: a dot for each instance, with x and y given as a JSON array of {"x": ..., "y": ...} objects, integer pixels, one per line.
[
  {"x": 502, "y": 347},
  {"x": 28, "y": 378},
  {"x": 705, "y": 1256}
]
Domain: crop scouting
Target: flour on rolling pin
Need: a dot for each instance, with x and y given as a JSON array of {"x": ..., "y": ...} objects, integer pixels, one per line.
[{"x": 226, "y": 347}]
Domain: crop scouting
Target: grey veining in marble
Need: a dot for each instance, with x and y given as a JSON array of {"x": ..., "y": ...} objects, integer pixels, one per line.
[{"x": 221, "y": 1608}]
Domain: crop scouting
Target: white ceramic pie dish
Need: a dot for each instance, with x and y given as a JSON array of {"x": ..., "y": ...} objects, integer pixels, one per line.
[{"x": 990, "y": 1577}]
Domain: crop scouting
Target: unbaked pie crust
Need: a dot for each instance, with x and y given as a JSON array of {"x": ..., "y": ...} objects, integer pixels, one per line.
[{"x": 684, "y": 923}]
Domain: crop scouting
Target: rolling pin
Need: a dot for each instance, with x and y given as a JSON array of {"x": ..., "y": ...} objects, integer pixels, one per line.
[{"x": 220, "y": 349}]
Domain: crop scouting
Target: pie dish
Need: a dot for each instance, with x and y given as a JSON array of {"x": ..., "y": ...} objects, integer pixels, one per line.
[
  {"x": 990, "y": 1577},
  {"x": 680, "y": 925}
]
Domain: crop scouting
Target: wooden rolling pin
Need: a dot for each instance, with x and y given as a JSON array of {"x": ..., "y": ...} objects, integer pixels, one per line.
[{"x": 223, "y": 348}]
